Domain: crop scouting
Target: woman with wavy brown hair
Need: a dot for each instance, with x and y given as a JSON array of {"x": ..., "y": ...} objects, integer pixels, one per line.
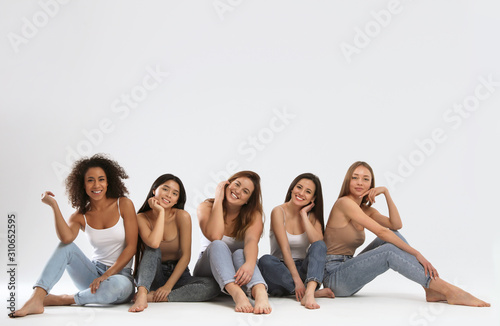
[
  {"x": 232, "y": 225},
  {"x": 96, "y": 189}
]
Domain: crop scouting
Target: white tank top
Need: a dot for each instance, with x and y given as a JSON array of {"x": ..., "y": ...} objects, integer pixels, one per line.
[
  {"x": 108, "y": 243},
  {"x": 299, "y": 243}
]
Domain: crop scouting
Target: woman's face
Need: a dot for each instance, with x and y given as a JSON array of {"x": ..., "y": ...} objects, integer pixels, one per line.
[
  {"x": 167, "y": 193},
  {"x": 303, "y": 192},
  {"x": 239, "y": 191},
  {"x": 361, "y": 180},
  {"x": 96, "y": 183}
]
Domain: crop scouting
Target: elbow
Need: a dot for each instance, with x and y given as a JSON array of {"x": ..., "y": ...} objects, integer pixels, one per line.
[
  {"x": 154, "y": 245},
  {"x": 66, "y": 240},
  {"x": 396, "y": 227},
  {"x": 212, "y": 236}
]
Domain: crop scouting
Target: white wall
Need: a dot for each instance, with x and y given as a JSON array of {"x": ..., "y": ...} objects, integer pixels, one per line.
[{"x": 278, "y": 87}]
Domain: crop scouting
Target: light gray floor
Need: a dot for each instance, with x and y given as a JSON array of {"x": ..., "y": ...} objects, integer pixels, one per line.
[{"x": 389, "y": 300}]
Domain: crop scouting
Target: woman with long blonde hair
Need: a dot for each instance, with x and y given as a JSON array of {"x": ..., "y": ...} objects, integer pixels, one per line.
[{"x": 351, "y": 214}]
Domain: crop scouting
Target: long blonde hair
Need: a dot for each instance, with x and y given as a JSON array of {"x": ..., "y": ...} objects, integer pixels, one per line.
[{"x": 344, "y": 191}]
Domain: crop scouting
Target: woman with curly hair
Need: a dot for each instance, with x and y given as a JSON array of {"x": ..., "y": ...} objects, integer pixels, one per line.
[
  {"x": 164, "y": 249},
  {"x": 96, "y": 190},
  {"x": 297, "y": 260},
  {"x": 232, "y": 225}
]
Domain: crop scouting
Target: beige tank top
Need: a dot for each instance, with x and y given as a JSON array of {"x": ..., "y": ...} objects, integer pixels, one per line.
[
  {"x": 171, "y": 249},
  {"x": 343, "y": 241}
]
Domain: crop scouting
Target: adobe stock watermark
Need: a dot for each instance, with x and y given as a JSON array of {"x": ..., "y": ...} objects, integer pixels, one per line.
[
  {"x": 248, "y": 148},
  {"x": 31, "y": 27},
  {"x": 453, "y": 118},
  {"x": 121, "y": 107},
  {"x": 223, "y": 7},
  {"x": 364, "y": 36}
]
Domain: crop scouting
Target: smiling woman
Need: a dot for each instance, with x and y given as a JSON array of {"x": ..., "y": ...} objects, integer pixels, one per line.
[
  {"x": 232, "y": 224},
  {"x": 96, "y": 190},
  {"x": 164, "y": 249}
]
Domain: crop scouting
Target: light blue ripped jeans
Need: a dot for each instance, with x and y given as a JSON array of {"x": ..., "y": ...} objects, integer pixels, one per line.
[
  {"x": 218, "y": 261},
  {"x": 346, "y": 275},
  {"x": 118, "y": 288}
]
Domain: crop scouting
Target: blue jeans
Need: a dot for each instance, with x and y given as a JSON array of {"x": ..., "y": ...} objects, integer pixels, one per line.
[
  {"x": 153, "y": 274},
  {"x": 346, "y": 275},
  {"x": 278, "y": 277},
  {"x": 218, "y": 261},
  {"x": 118, "y": 288}
]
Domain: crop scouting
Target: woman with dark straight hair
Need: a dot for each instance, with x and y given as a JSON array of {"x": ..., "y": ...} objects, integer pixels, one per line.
[
  {"x": 164, "y": 249},
  {"x": 297, "y": 260}
]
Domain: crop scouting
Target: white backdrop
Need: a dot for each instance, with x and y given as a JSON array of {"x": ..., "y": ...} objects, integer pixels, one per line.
[{"x": 202, "y": 89}]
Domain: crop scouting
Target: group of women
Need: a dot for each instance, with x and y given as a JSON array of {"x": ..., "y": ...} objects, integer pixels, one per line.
[{"x": 305, "y": 253}]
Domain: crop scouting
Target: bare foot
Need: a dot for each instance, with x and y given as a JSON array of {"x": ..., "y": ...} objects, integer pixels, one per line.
[
  {"x": 58, "y": 300},
  {"x": 242, "y": 304},
  {"x": 34, "y": 305},
  {"x": 309, "y": 302},
  {"x": 434, "y": 296},
  {"x": 324, "y": 293},
  {"x": 262, "y": 305},
  {"x": 140, "y": 303},
  {"x": 459, "y": 297}
]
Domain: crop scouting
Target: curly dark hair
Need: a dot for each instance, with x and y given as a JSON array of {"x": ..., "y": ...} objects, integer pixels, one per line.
[{"x": 75, "y": 187}]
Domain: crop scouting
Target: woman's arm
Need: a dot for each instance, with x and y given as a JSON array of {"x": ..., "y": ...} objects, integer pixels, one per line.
[
  {"x": 152, "y": 237},
  {"x": 352, "y": 211},
  {"x": 311, "y": 225},
  {"x": 211, "y": 216},
  {"x": 183, "y": 222},
  {"x": 392, "y": 222},
  {"x": 66, "y": 232},
  {"x": 278, "y": 227},
  {"x": 251, "y": 250},
  {"x": 130, "y": 223}
]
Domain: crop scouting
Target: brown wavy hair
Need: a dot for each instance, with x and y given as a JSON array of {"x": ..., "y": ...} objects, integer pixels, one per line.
[
  {"x": 344, "y": 191},
  {"x": 247, "y": 211},
  {"x": 75, "y": 183}
]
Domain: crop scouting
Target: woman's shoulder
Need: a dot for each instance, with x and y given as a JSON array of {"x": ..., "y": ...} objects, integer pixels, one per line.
[{"x": 182, "y": 215}]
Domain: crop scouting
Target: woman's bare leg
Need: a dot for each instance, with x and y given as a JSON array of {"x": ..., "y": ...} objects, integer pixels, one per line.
[
  {"x": 239, "y": 298},
  {"x": 262, "y": 305},
  {"x": 141, "y": 300},
  {"x": 455, "y": 295},
  {"x": 34, "y": 305}
]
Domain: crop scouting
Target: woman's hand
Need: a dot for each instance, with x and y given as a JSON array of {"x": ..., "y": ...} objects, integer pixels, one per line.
[
  {"x": 48, "y": 198},
  {"x": 155, "y": 205},
  {"x": 300, "y": 289},
  {"x": 374, "y": 192},
  {"x": 161, "y": 294},
  {"x": 306, "y": 209},
  {"x": 220, "y": 191},
  {"x": 244, "y": 274},
  {"x": 429, "y": 269},
  {"x": 94, "y": 286}
]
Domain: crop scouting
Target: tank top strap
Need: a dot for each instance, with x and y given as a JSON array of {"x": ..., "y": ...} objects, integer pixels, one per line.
[
  {"x": 284, "y": 216},
  {"x": 118, "y": 204}
]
